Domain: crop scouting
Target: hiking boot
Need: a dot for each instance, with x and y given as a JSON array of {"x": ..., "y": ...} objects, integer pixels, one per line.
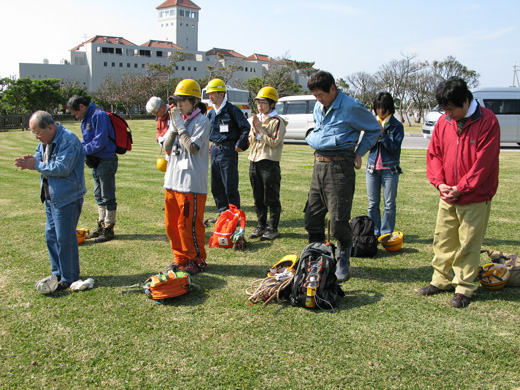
[
  {"x": 460, "y": 301},
  {"x": 96, "y": 233},
  {"x": 107, "y": 234},
  {"x": 429, "y": 290},
  {"x": 270, "y": 234},
  {"x": 343, "y": 266},
  {"x": 259, "y": 232},
  {"x": 192, "y": 268}
]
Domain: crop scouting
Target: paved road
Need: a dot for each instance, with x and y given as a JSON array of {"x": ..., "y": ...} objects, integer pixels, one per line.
[{"x": 417, "y": 141}]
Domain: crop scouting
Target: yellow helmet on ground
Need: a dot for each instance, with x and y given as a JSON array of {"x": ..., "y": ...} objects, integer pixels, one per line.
[
  {"x": 161, "y": 164},
  {"x": 493, "y": 276},
  {"x": 392, "y": 242},
  {"x": 267, "y": 93},
  {"x": 188, "y": 87},
  {"x": 81, "y": 234},
  {"x": 216, "y": 85},
  {"x": 287, "y": 263}
]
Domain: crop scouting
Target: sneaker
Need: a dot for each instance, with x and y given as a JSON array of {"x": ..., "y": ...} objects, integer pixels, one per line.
[
  {"x": 259, "y": 232},
  {"x": 429, "y": 290},
  {"x": 460, "y": 301},
  {"x": 192, "y": 268},
  {"x": 210, "y": 221},
  {"x": 270, "y": 234}
]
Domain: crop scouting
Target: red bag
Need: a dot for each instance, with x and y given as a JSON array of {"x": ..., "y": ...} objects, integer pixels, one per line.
[
  {"x": 122, "y": 132},
  {"x": 229, "y": 229}
]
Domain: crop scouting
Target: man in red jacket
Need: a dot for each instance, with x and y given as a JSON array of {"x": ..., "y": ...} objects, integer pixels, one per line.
[{"x": 462, "y": 163}]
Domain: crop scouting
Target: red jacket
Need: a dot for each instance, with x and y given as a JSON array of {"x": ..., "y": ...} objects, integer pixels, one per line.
[
  {"x": 163, "y": 123},
  {"x": 468, "y": 160}
]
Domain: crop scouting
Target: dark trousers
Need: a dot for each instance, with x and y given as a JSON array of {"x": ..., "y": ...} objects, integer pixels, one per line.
[
  {"x": 224, "y": 176},
  {"x": 265, "y": 177},
  {"x": 332, "y": 190}
]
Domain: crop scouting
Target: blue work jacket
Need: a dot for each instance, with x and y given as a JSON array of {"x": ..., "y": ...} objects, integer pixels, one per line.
[
  {"x": 65, "y": 168},
  {"x": 340, "y": 128}
]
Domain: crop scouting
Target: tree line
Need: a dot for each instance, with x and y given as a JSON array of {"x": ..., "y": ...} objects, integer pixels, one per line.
[{"x": 411, "y": 83}]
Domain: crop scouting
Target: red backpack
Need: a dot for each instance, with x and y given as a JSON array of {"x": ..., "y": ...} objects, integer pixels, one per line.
[
  {"x": 229, "y": 229},
  {"x": 122, "y": 133}
]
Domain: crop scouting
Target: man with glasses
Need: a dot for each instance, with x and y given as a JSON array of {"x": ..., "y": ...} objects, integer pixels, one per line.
[
  {"x": 100, "y": 150},
  {"x": 60, "y": 159},
  {"x": 229, "y": 133}
]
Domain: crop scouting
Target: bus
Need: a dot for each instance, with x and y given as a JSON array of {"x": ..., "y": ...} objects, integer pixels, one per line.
[{"x": 238, "y": 97}]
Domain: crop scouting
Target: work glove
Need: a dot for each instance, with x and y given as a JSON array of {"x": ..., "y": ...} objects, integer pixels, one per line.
[
  {"x": 169, "y": 139},
  {"x": 176, "y": 120}
]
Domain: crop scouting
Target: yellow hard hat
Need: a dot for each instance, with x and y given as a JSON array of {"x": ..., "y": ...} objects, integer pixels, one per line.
[
  {"x": 267, "y": 93},
  {"x": 161, "y": 164},
  {"x": 188, "y": 87},
  {"x": 81, "y": 234},
  {"x": 493, "y": 276},
  {"x": 216, "y": 85},
  {"x": 392, "y": 242}
]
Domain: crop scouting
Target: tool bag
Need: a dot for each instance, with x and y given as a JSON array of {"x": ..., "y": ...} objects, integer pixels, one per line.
[
  {"x": 315, "y": 283},
  {"x": 171, "y": 284},
  {"x": 364, "y": 243},
  {"x": 229, "y": 229}
]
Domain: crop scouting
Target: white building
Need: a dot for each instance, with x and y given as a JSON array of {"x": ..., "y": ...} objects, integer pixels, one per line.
[{"x": 101, "y": 56}]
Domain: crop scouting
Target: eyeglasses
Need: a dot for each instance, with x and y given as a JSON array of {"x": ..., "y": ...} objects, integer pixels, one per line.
[
  {"x": 261, "y": 103},
  {"x": 37, "y": 134},
  {"x": 181, "y": 98}
]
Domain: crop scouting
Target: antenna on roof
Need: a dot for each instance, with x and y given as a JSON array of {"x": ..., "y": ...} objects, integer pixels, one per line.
[
  {"x": 516, "y": 82},
  {"x": 84, "y": 37}
]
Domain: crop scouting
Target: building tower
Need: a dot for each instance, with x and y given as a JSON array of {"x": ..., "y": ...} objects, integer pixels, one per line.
[{"x": 179, "y": 23}]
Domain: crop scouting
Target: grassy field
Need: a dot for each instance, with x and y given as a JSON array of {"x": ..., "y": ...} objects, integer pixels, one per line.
[{"x": 384, "y": 335}]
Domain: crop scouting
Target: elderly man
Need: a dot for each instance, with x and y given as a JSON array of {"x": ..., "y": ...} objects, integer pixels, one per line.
[
  {"x": 340, "y": 120},
  {"x": 60, "y": 159},
  {"x": 100, "y": 151},
  {"x": 161, "y": 110}
]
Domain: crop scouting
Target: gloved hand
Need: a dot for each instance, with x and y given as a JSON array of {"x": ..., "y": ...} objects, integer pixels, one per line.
[
  {"x": 160, "y": 140},
  {"x": 169, "y": 139},
  {"x": 176, "y": 120}
]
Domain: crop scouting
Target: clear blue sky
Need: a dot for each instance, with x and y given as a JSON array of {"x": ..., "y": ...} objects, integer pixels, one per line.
[{"x": 341, "y": 36}]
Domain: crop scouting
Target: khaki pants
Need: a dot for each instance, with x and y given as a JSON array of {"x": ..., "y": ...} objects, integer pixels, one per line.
[{"x": 458, "y": 238}]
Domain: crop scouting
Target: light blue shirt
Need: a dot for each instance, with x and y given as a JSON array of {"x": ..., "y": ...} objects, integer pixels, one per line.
[{"x": 341, "y": 126}]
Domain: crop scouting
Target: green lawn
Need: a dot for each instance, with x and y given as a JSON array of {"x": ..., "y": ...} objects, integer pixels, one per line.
[{"x": 383, "y": 336}]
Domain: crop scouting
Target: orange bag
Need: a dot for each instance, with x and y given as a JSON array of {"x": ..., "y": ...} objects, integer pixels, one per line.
[
  {"x": 167, "y": 285},
  {"x": 229, "y": 229}
]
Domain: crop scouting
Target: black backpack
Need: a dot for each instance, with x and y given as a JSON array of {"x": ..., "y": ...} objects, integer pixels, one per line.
[
  {"x": 315, "y": 284},
  {"x": 364, "y": 243}
]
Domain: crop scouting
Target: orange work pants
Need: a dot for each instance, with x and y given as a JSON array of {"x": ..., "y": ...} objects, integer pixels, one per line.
[{"x": 184, "y": 221}]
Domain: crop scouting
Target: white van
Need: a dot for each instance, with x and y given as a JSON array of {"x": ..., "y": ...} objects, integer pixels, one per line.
[
  {"x": 504, "y": 102},
  {"x": 297, "y": 110}
]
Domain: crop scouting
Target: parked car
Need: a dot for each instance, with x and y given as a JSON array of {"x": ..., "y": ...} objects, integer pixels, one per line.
[
  {"x": 504, "y": 102},
  {"x": 297, "y": 110},
  {"x": 430, "y": 121}
]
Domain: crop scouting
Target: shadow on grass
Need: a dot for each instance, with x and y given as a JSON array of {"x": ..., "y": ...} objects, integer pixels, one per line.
[
  {"x": 358, "y": 298},
  {"x": 393, "y": 275},
  {"x": 414, "y": 239}
]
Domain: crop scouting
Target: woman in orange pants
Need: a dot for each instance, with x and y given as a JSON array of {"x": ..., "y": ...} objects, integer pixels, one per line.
[{"x": 186, "y": 177}]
